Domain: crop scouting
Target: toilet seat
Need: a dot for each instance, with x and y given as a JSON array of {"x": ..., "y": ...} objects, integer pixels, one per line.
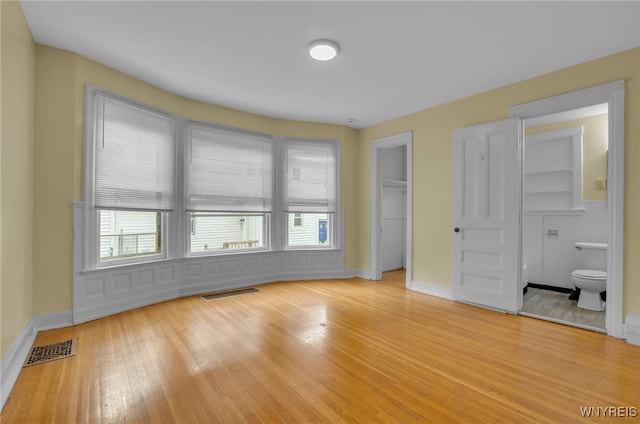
[
  {"x": 589, "y": 274},
  {"x": 591, "y": 283}
]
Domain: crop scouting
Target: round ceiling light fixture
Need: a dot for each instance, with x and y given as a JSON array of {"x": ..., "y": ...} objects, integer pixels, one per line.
[{"x": 323, "y": 50}]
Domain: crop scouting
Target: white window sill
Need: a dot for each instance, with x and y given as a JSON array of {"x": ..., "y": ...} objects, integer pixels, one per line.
[
  {"x": 577, "y": 211},
  {"x": 170, "y": 261}
]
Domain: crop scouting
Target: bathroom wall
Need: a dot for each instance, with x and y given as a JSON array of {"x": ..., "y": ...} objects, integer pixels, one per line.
[
  {"x": 551, "y": 258},
  {"x": 594, "y": 150}
]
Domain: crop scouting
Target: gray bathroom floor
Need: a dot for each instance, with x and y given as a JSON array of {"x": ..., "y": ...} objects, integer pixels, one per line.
[{"x": 557, "y": 307}]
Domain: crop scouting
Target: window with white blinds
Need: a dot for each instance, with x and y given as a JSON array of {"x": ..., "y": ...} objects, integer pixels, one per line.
[
  {"x": 310, "y": 182},
  {"x": 134, "y": 156},
  {"x": 152, "y": 190},
  {"x": 227, "y": 170}
]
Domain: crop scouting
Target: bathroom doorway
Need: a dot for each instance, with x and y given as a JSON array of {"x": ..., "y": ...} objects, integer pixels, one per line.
[
  {"x": 611, "y": 95},
  {"x": 564, "y": 209}
]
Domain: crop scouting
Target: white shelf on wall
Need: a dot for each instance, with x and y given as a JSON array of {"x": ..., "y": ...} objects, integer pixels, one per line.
[
  {"x": 580, "y": 211},
  {"x": 547, "y": 191},
  {"x": 548, "y": 171},
  {"x": 553, "y": 170}
]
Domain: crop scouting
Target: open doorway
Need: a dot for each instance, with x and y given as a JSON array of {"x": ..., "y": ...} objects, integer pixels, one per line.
[
  {"x": 391, "y": 205},
  {"x": 565, "y": 216},
  {"x": 611, "y": 95},
  {"x": 393, "y": 208}
]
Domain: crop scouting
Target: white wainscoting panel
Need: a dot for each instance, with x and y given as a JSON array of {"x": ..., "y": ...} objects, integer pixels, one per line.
[
  {"x": 310, "y": 264},
  {"x": 549, "y": 237},
  {"x": 106, "y": 291},
  {"x": 111, "y": 290},
  {"x": 215, "y": 273}
]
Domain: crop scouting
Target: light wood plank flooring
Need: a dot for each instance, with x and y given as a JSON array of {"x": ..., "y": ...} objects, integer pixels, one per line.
[{"x": 326, "y": 352}]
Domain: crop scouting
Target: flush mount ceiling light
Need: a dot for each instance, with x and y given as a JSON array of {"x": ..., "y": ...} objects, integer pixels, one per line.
[{"x": 323, "y": 49}]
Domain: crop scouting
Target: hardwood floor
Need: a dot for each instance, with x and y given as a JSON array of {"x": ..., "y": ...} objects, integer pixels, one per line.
[{"x": 330, "y": 352}]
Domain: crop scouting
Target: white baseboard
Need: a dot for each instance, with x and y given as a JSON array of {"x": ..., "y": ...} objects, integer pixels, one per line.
[
  {"x": 19, "y": 350},
  {"x": 360, "y": 273},
  {"x": 13, "y": 360},
  {"x": 632, "y": 329},
  {"x": 432, "y": 289},
  {"x": 311, "y": 275},
  {"x": 53, "y": 321},
  {"x": 115, "y": 306}
]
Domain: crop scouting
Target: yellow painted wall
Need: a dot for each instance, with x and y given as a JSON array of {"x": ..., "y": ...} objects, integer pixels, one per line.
[
  {"x": 61, "y": 78},
  {"x": 55, "y": 130},
  {"x": 595, "y": 140},
  {"x": 16, "y": 181},
  {"x": 433, "y": 159}
]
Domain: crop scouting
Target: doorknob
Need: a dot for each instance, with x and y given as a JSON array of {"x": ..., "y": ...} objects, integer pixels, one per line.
[{"x": 457, "y": 230}]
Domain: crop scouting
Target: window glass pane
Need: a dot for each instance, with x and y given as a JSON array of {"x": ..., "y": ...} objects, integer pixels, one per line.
[
  {"x": 128, "y": 234},
  {"x": 220, "y": 232},
  {"x": 314, "y": 229}
]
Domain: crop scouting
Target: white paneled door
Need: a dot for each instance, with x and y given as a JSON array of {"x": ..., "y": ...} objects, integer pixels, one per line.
[{"x": 486, "y": 208}]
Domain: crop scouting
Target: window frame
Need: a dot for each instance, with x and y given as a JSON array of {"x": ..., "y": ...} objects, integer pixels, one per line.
[
  {"x": 134, "y": 259},
  {"x": 91, "y": 215},
  {"x": 267, "y": 215},
  {"x": 333, "y": 218},
  {"x": 266, "y": 234},
  {"x": 331, "y": 234}
]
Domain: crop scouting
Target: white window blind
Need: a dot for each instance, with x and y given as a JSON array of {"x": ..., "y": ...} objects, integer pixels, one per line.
[
  {"x": 227, "y": 170},
  {"x": 134, "y": 156},
  {"x": 310, "y": 183}
]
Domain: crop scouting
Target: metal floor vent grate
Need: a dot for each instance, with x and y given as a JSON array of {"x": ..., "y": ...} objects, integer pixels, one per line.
[
  {"x": 51, "y": 352},
  {"x": 229, "y": 293}
]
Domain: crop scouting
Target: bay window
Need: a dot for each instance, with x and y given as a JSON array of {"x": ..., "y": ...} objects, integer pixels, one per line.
[{"x": 160, "y": 187}]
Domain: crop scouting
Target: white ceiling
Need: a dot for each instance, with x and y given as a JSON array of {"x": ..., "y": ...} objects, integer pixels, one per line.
[{"x": 396, "y": 57}]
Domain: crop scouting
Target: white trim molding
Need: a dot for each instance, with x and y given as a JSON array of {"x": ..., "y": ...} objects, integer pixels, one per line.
[
  {"x": 358, "y": 273},
  {"x": 632, "y": 329},
  {"x": 19, "y": 350},
  {"x": 13, "y": 360},
  {"x": 54, "y": 320},
  {"x": 432, "y": 289}
]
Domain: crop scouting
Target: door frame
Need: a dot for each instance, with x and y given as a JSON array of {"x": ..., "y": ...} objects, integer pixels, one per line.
[
  {"x": 402, "y": 139},
  {"x": 613, "y": 95}
]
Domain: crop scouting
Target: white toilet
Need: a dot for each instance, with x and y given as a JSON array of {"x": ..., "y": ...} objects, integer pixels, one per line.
[{"x": 591, "y": 279}]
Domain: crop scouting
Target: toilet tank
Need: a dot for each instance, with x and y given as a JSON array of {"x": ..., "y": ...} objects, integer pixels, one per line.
[{"x": 592, "y": 255}]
